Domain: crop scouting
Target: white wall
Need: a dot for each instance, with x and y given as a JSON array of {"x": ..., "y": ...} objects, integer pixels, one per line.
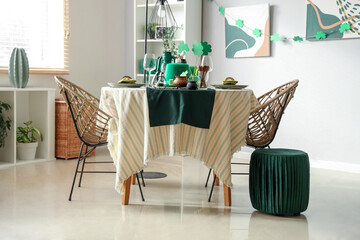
[
  {"x": 97, "y": 46},
  {"x": 324, "y": 117}
]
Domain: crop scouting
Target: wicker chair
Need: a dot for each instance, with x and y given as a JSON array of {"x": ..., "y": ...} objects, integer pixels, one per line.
[
  {"x": 91, "y": 124},
  {"x": 264, "y": 120}
]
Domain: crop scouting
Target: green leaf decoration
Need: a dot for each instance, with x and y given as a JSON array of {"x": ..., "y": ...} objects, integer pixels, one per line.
[
  {"x": 298, "y": 39},
  {"x": 183, "y": 48},
  {"x": 257, "y": 32},
  {"x": 344, "y": 27},
  {"x": 320, "y": 35},
  {"x": 197, "y": 48},
  {"x": 206, "y": 48},
  {"x": 239, "y": 23},
  {"x": 222, "y": 10},
  {"x": 275, "y": 37}
]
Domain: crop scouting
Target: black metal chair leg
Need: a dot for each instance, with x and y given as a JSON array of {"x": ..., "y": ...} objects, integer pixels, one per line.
[
  {"x": 207, "y": 180},
  {"x": 76, "y": 171},
  {"x": 212, "y": 188},
  {"x": 142, "y": 177},
  {"x": 82, "y": 168},
  {"x": 142, "y": 196}
]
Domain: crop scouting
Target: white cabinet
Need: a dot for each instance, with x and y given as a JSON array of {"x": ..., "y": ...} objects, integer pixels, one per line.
[
  {"x": 188, "y": 15},
  {"x": 37, "y": 105}
]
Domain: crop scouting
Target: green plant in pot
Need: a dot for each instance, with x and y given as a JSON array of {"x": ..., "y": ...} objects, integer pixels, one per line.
[
  {"x": 27, "y": 141},
  {"x": 5, "y": 124},
  {"x": 151, "y": 30}
]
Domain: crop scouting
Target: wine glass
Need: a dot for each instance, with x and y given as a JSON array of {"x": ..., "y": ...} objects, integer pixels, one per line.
[
  {"x": 149, "y": 64},
  {"x": 207, "y": 61}
]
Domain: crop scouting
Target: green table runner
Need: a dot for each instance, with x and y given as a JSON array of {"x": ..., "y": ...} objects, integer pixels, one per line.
[{"x": 173, "y": 106}]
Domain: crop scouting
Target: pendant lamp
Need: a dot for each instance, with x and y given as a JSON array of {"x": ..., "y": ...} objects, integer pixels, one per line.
[{"x": 163, "y": 20}]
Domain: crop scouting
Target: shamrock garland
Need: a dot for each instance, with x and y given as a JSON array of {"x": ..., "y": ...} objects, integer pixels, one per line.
[{"x": 276, "y": 37}]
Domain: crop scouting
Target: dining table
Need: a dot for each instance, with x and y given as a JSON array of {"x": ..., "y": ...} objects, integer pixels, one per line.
[{"x": 133, "y": 141}]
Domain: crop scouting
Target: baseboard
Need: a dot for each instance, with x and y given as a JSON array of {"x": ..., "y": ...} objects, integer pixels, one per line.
[
  {"x": 329, "y": 165},
  {"x": 337, "y": 166}
]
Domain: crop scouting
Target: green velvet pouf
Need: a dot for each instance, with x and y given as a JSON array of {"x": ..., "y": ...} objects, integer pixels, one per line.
[{"x": 279, "y": 181}]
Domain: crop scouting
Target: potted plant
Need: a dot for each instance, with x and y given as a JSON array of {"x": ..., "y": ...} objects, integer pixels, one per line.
[
  {"x": 5, "y": 125},
  {"x": 151, "y": 30},
  {"x": 27, "y": 141}
]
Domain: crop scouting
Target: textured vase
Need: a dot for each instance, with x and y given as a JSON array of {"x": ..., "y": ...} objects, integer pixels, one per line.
[{"x": 19, "y": 68}]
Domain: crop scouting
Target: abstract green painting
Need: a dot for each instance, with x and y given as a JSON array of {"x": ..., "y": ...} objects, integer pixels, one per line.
[
  {"x": 247, "y": 31},
  {"x": 335, "y": 19}
]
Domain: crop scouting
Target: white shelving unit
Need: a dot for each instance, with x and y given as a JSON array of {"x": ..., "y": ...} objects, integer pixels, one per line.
[
  {"x": 187, "y": 13},
  {"x": 37, "y": 105}
]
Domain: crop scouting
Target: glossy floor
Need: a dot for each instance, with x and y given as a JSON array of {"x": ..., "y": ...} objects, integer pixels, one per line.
[{"x": 33, "y": 205}]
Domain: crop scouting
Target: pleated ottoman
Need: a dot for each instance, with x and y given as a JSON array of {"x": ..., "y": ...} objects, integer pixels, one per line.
[{"x": 279, "y": 181}]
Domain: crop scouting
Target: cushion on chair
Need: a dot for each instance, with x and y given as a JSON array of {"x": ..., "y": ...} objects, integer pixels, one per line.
[{"x": 279, "y": 181}]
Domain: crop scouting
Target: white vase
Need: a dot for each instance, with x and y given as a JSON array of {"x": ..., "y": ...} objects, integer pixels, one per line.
[{"x": 26, "y": 151}]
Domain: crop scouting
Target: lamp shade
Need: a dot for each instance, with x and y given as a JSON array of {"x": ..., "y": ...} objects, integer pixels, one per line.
[{"x": 162, "y": 20}]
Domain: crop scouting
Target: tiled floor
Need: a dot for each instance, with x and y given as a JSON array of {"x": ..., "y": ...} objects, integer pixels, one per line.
[{"x": 33, "y": 205}]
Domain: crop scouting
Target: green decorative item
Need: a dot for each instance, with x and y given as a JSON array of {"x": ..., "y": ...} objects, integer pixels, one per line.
[
  {"x": 197, "y": 48},
  {"x": 275, "y": 37},
  {"x": 320, "y": 35},
  {"x": 344, "y": 27},
  {"x": 175, "y": 69},
  {"x": 19, "y": 68},
  {"x": 298, "y": 39},
  {"x": 279, "y": 181},
  {"x": 240, "y": 23},
  {"x": 206, "y": 48},
  {"x": 222, "y": 11},
  {"x": 257, "y": 32},
  {"x": 183, "y": 48},
  {"x": 5, "y": 124}
]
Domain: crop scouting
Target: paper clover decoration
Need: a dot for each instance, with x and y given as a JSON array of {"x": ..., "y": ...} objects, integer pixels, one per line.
[
  {"x": 183, "y": 47},
  {"x": 298, "y": 39},
  {"x": 197, "y": 48},
  {"x": 275, "y": 37},
  {"x": 239, "y": 23},
  {"x": 320, "y": 35},
  {"x": 344, "y": 27},
  {"x": 257, "y": 32},
  {"x": 222, "y": 10},
  {"x": 206, "y": 48}
]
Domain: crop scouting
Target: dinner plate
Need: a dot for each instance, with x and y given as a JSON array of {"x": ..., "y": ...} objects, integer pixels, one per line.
[
  {"x": 126, "y": 85},
  {"x": 229, "y": 86}
]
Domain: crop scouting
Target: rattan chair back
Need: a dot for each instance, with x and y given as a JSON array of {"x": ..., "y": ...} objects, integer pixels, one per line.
[
  {"x": 264, "y": 120},
  {"x": 90, "y": 121}
]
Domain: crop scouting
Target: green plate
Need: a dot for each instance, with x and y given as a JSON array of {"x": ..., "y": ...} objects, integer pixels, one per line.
[
  {"x": 230, "y": 86},
  {"x": 126, "y": 85}
]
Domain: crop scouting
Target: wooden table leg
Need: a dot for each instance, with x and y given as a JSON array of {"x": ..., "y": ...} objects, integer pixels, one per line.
[
  {"x": 133, "y": 179},
  {"x": 227, "y": 196},
  {"x": 216, "y": 180},
  {"x": 126, "y": 195}
]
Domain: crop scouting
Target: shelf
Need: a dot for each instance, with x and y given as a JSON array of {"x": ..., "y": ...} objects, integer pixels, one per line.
[
  {"x": 156, "y": 40},
  {"x": 175, "y": 4}
]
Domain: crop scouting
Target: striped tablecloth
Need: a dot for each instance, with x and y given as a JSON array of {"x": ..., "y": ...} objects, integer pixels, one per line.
[{"x": 133, "y": 143}]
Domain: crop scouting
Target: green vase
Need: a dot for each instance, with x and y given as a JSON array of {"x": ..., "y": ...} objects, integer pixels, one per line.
[{"x": 19, "y": 68}]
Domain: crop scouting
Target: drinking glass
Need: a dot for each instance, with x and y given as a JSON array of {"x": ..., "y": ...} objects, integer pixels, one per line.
[
  {"x": 149, "y": 64},
  {"x": 207, "y": 61}
]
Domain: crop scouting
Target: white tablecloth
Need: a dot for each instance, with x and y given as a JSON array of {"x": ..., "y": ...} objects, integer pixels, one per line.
[{"x": 132, "y": 142}]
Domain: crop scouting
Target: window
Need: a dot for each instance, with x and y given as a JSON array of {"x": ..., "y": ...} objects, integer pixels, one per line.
[{"x": 41, "y": 27}]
